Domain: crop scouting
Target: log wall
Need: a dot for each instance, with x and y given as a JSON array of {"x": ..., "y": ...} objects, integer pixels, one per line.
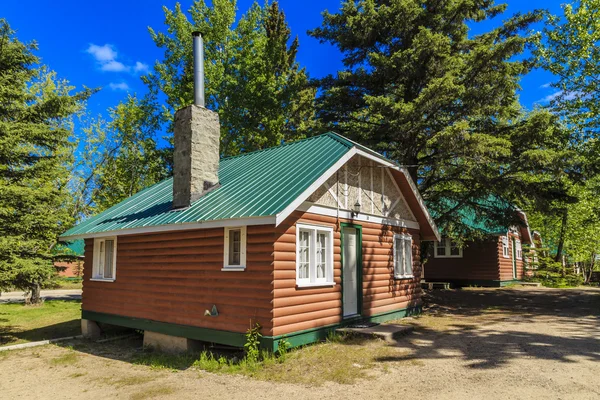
[
  {"x": 175, "y": 276},
  {"x": 296, "y": 309}
]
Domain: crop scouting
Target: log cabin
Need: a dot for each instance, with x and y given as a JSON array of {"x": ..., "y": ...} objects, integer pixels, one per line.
[
  {"x": 68, "y": 259},
  {"x": 495, "y": 260},
  {"x": 301, "y": 238}
]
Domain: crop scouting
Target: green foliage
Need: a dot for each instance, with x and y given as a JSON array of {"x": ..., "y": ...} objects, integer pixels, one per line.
[
  {"x": 35, "y": 153},
  {"x": 252, "y": 78},
  {"x": 252, "y": 344},
  {"x": 419, "y": 89},
  {"x": 282, "y": 349}
]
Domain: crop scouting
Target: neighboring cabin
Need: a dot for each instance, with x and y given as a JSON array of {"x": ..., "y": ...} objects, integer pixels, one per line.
[
  {"x": 496, "y": 260},
  {"x": 301, "y": 238},
  {"x": 69, "y": 259}
]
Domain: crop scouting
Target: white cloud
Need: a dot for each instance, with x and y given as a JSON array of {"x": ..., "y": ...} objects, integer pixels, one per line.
[
  {"x": 119, "y": 86},
  {"x": 546, "y": 85},
  {"x": 106, "y": 58},
  {"x": 568, "y": 96},
  {"x": 114, "y": 66},
  {"x": 140, "y": 67},
  {"x": 102, "y": 53}
]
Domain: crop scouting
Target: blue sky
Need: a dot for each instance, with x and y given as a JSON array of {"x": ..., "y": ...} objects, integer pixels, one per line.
[{"x": 106, "y": 43}]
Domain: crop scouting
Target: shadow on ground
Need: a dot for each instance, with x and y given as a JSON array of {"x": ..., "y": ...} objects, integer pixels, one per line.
[
  {"x": 11, "y": 334},
  {"x": 488, "y": 328}
]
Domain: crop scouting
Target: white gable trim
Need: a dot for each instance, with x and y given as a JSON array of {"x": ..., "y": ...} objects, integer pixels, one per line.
[
  {"x": 401, "y": 198},
  {"x": 279, "y": 218},
  {"x": 334, "y": 168},
  {"x": 363, "y": 217}
]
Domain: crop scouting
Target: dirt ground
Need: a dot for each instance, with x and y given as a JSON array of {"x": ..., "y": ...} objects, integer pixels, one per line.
[{"x": 517, "y": 343}]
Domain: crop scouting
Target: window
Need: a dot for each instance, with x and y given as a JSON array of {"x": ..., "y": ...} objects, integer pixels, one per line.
[
  {"x": 235, "y": 249},
  {"x": 447, "y": 248},
  {"x": 403, "y": 256},
  {"x": 518, "y": 249},
  {"x": 314, "y": 255},
  {"x": 505, "y": 252},
  {"x": 105, "y": 259}
]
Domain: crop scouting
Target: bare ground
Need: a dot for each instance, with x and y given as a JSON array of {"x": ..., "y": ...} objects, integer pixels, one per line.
[{"x": 484, "y": 343}]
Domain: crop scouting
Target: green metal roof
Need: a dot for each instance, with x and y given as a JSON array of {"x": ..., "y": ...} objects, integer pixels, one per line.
[
  {"x": 477, "y": 216},
  {"x": 258, "y": 184},
  {"x": 72, "y": 248}
]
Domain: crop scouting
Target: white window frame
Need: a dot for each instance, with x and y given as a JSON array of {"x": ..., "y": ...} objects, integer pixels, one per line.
[
  {"x": 242, "y": 266},
  {"x": 505, "y": 246},
  {"x": 97, "y": 274},
  {"x": 312, "y": 274},
  {"x": 404, "y": 275},
  {"x": 518, "y": 249},
  {"x": 448, "y": 246}
]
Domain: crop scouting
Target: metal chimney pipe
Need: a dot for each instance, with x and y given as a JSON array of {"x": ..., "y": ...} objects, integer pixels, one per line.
[{"x": 198, "y": 69}]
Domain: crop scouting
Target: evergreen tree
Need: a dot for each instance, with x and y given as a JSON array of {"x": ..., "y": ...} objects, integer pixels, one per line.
[
  {"x": 35, "y": 151},
  {"x": 252, "y": 80},
  {"x": 419, "y": 89}
]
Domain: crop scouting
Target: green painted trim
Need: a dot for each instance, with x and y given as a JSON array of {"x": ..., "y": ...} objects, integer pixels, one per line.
[
  {"x": 192, "y": 332},
  {"x": 359, "y": 267},
  {"x": 301, "y": 338}
]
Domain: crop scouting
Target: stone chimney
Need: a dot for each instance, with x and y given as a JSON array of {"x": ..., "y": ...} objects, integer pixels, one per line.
[{"x": 196, "y": 141}]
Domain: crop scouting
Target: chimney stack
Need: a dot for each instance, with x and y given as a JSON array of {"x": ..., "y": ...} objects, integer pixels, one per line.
[{"x": 196, "y": 140}]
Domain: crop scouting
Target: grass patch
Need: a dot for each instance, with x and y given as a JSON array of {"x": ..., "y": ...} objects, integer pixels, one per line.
[
  {"x": 152, "y": 392},
  {"x": 128, "y": 381},
  {"x": 53, "y": 319},
  {"x": 342, "y": 359},
  {"x": 69, "y": 283},
  {"x": 66, "y": 359}
]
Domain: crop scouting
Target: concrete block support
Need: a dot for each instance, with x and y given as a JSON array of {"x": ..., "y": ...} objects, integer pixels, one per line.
[
  {"x": 170, "y": 344},
  {"x": 196, "y": 154},
  {"x": 90, "y": 329}
]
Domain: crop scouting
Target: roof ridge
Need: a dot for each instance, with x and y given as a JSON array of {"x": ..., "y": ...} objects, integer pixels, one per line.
[{"x": 333, "y": 135}]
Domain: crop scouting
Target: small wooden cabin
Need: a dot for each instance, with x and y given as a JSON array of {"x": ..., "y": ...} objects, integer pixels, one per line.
[
  {"x": 302, "y": 238},
  {"x": 69, "y": 259},
  {"x": 496, "y": 260}
]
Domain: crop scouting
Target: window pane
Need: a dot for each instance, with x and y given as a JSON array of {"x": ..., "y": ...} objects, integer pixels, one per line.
[
  {"x": 303, "y": 253},
  {"x": 108, "y": 259},
  {"x": 235, "y": 245},
  {"x": 321, "y": 255},
  {"x": 441, "y": 248},
  {"x": 101, "y": 256},
  {"x": 398, "y": 257},
  {"x": 454, "y": 249},
  {"x": 408, "y": 256}
]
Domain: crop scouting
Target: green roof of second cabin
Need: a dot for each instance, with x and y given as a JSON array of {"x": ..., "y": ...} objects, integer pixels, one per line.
[
  {"x": 253, "y": 185},
  {"x": 478, "y": 215},
  {"x": 71, "y": 248}
]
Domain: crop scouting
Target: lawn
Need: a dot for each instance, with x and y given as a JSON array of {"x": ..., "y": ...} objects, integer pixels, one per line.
[{"x": 53, "y": 319}]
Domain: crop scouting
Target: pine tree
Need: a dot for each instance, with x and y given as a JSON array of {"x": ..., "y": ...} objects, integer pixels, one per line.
[
  {"x": 35, "y": 151},
  {"x": 420, "y": 89}
]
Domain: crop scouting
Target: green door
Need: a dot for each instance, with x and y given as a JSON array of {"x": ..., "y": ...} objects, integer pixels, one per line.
[{"x": 514, "y": 257}]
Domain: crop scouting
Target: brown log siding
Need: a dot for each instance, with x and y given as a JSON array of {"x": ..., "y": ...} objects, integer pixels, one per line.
[
  {"x": 481, "y": 261},
  {"x": 175, "y": 276},
  {"x": 296, "y": 309}
]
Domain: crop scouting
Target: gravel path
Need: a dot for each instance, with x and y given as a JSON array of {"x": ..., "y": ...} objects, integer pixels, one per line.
[
  {"x": 479, "y": 344},
  {"x": 59, "y": 294}
]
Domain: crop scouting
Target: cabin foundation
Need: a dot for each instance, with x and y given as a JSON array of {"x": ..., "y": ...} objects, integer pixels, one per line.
[
  {"x": 169, "y": 343},
  {"x": 90, "y": 329}
]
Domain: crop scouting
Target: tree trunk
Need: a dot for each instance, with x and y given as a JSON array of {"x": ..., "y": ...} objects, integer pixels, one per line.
[
  {"x": 561, "y": 239},
  {"x": 36, "y": 296}
]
